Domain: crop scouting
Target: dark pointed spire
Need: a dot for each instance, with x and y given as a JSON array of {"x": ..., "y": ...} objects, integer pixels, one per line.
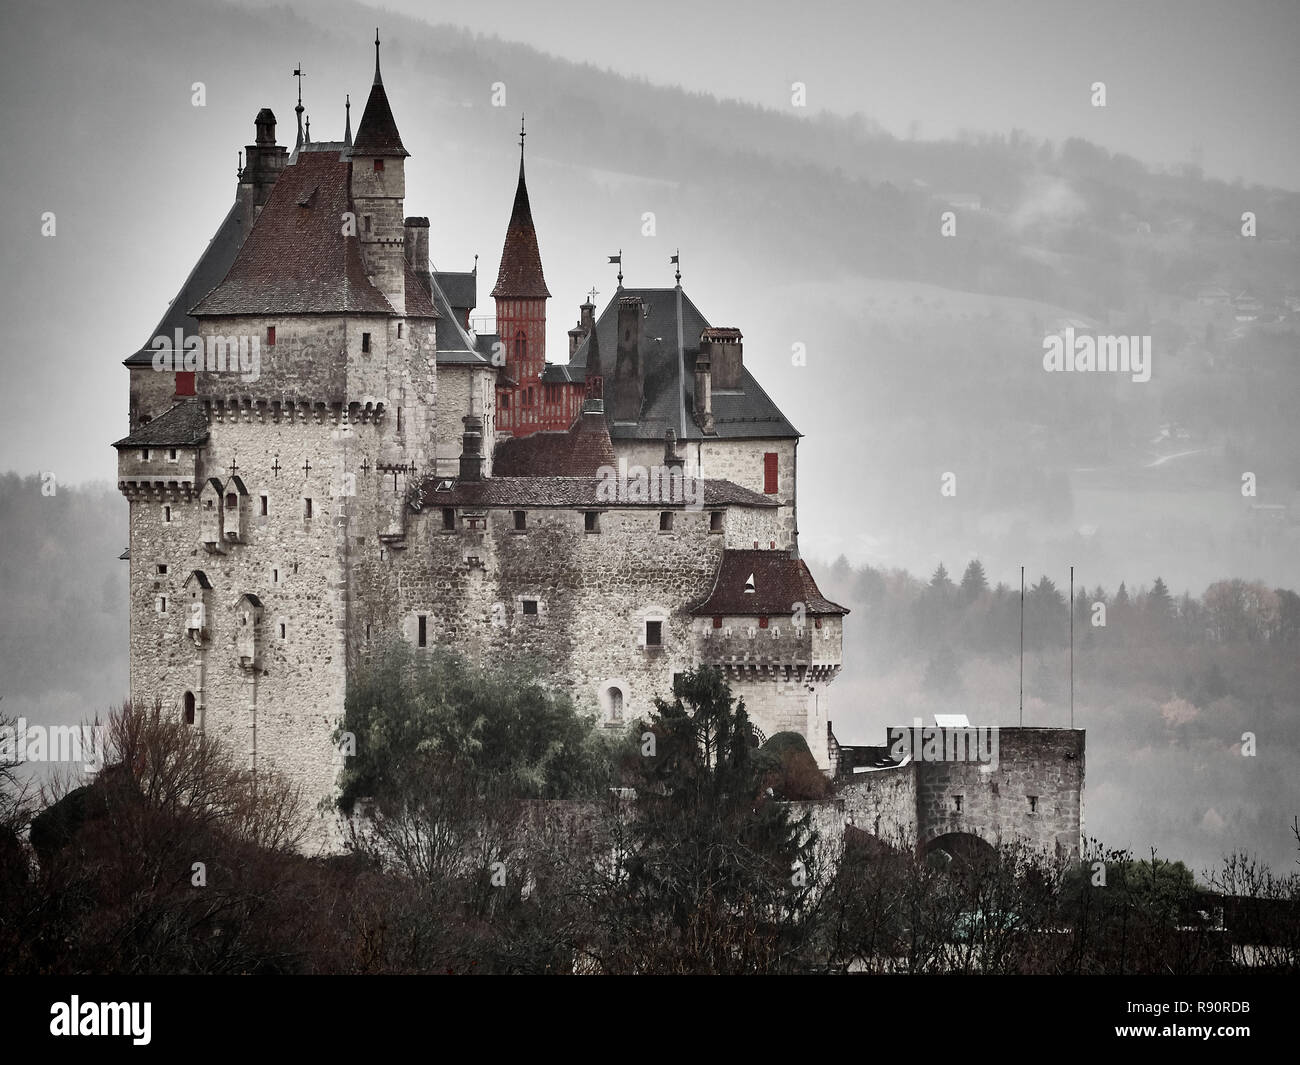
[
  {"x": 593, "y": 355},
  {"x": 377, "y": 131},
  {"x": 347, "y": 122},
  {"x": 520, "y": 276},
  {"x": 297, "y": 73}
]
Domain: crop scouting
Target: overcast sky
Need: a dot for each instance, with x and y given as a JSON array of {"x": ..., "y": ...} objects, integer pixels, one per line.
[{"x": 1180, "y": 74}]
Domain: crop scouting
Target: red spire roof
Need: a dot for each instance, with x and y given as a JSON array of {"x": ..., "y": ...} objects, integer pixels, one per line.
[{"x": 520, "y": 276}]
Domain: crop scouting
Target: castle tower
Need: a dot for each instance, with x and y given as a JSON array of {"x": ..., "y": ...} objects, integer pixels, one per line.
[
  {"x": 521, "y": 296},
  {"x": 378, "y": 191}
]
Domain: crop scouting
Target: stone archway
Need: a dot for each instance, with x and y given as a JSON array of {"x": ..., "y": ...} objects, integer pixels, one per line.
[{"x": 958, "y": 849}]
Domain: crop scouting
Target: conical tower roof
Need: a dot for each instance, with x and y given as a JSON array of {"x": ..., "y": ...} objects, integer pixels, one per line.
[
  {"x": 520, "y": 276},
  {"x": 377, "y": 132}
]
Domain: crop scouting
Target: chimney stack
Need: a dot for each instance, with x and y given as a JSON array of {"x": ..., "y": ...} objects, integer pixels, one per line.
[
  {"x": 726, "y": 356},
  {"x": 416, "y": 245},
  {"x": 629, "y": 379},
  {"x": 263, "y": 161},
  {"x": 671, "y": 458},
  {"x": 471, "y": 455},
  {"x": 703, "y": 392}
]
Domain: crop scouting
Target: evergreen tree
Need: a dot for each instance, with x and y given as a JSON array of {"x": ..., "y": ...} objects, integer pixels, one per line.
[
  {"x": 941, "y": 583},
  {"x": 1159, "y": 603},
  {"x": 974, "y": 583}
]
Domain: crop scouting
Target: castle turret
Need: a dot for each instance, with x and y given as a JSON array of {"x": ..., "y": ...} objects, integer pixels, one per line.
[
  {"x": 263, "y": 161},
  {"x": 521, "y": 296},
  {"x": 378, "y": 192}
]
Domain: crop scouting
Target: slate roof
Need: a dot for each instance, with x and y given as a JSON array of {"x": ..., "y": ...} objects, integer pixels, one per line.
[
  {"x": 377, "y": 133},
  {"x": 669, "y": 402},
  {"x": 212, "y": 266},
  {"x": 297, "y": 260},
  {"x": 520, "y": 276},
  {"x": 183, "y": 425},
  {"x": 460, "y": 288},
  {"x": 580, "y": 451},
  {"x": 779, "y": 582},
  {"x": 565, "y": 492}
]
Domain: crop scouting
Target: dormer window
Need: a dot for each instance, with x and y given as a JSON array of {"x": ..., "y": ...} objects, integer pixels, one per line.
[{"x": 749, "y": 585}]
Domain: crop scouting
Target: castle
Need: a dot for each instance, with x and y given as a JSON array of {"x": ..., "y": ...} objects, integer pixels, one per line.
[{"x": 324, "y": 454}]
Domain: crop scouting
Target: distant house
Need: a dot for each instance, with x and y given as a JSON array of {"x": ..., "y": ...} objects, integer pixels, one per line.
[
  {"x": 1213, "y": 296},
  {"x": 1246, "y": 307}
]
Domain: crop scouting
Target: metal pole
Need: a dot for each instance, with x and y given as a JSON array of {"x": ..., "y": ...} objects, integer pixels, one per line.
[{"x": 1022, "y": 645}]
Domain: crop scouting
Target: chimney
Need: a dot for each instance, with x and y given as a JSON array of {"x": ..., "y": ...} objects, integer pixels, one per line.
[
  {"x": 416, "y": 246},
  {"x": 726, "y": 356},
  {"x": 671, "y": 458},
  {"x": 703, "y": 393},
  {"x": 629, "y": 380},
  {"x": 586, "y": 321},
  {"x": 263, "y": 161},
  {"x": 471, "y": 455}
]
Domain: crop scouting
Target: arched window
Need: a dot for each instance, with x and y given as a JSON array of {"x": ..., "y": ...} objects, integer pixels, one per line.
[
  {"x": 232, "y": 500},
  {"x": 616, "y": 704},
  {"x": 521, "y": 346},
  {"x": 189, "y": 708}
]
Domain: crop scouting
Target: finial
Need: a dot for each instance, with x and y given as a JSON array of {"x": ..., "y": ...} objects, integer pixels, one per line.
[
  {"x": 347, "y": 122},
  {"x": 476, "y": 264},
  {"x": 377, "y": 78},
  {"x": 522, "y": 135},
  {"x": 240, "y": 172},
  {"x": 309, "y": 129},
  {"x": 297, "y": 73},
  {"x": 593, "y": 294},
  {"x": 677, "y": 260}
]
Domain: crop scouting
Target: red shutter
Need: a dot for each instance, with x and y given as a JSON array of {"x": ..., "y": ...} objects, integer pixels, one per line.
[
  {"x": 270, "y": 336},
  {"x": 769, "y": 473},
  {"x": 185, "y": 383}
]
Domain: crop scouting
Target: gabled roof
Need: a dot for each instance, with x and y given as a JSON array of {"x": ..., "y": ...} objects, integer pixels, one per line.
[
  {"x": 297, "y": 260},
  {"x": 520, "y": 276},
  {"x": 747, "y": 413},
  {"x": 377, "y": 133},
  {"x": 460, "y": 288},
  {"x": 578, "y": 452},
  {"x": 184, "y": 425},
  {"x": 212, "y": 266},
  {"x": 779, "y": 582}
]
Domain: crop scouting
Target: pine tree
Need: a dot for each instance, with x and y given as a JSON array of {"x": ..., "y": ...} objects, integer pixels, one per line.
[
  {"x": 974, "y": 583},
  {"x": 940, "y": 581},
  {"x": 1159, "y": 602}
]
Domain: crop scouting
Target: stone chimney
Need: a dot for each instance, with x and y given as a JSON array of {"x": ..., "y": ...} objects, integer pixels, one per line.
[
  {"x": 586, "y": 322},
  {"x": 416, "y": 246},
  {"x": 263, "y": 161},
  {"x": 471, "y": 455},
  {"x": 726, "y": 356},
  {"x": 629, "y": 376},
  {"x": 671, "y": 458},
  {"x": 703, "y": 393}
]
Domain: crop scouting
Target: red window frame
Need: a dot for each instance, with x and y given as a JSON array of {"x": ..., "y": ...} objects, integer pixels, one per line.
[
  {"x": 769, "y": 473},
  {"x": 270, "y": 336},
  {"x": 185, "y": 382},
  {"x": 762, "y": 623}
]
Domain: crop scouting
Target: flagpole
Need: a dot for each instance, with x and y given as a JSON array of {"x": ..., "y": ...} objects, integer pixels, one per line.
[
  {"x": 1022, "y": 646},
  {"x": 1071, "y": 647}
]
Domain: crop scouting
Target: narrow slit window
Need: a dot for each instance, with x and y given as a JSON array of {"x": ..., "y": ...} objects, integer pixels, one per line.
[
  {"x": 306, "y": 508},
  {"x": 365, "y": 342},
  {"x": 654, "y": 633},
  {"x": 422, "y": 638}
]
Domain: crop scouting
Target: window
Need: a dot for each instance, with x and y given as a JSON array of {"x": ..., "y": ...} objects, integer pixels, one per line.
[
  {"x": 162, "y": 569},
  {"x": 449, "y": 517},
  {"x": 422, "y": 637},
  {"x": 399, "y": 330},
  {"x": 654, "y": 633},
  {"x": 367, "y": 632},
  {"x": 956, "y": 801},
  {"x": 505, "y": 400},
  {"x": 270, "y": 336},
  {"x": 306, "y": 508},
  {"x": 365, "y": 343},
  {"x": 379, "y": 165},
  {"x": 167, "y": 515},
  {"x": 162, "y": 604},
  {"x": 530, "y": 607},
  {"x": 521, "y": 520},
  {"x": 275, "y": 576},
  {"x": 762, "y": 623},
  {"x": 1033, "y": 804},
  {"x": 521, "y": 345},
  {"x": 185, "y": 383},
  {"x": 717, "y": 621},
  {"x": 817, "y": 623},
  {"x": 282, "y": 629},
  {"x": 769, "y": 473},
  {"x": 666, "y": 521},
  {"x": 715, "y": 521},
  {"x": 591, "y": 521},
  {"x": 171, "y": 455},
  {"x": 145, "y": 455},
  {"x": 365, "y": 221},
  {"x": 189, "y": 708},
  {"x": 528, "y": 397},
  {"x": 232, "y": 501},
  {"x": 616, "y": 704},
  {"x": 265, "y": 503}
]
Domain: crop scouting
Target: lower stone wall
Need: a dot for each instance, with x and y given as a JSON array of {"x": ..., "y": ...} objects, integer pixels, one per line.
[{"x": 883, "y": 803}]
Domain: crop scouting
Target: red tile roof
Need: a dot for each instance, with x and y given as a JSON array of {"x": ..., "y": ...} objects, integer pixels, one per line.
[
  {"x": 779, "y": 583},
  {"x": 520, "y": 276},
  {"x": 296, "y": 260},
  {"x": 579, "y": 452}
]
